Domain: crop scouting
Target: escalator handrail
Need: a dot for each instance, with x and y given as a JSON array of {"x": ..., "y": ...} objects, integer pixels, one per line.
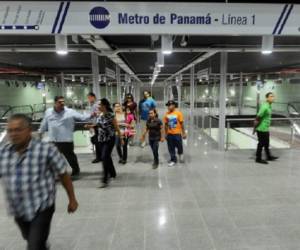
[{"x": 20, "y": 106}]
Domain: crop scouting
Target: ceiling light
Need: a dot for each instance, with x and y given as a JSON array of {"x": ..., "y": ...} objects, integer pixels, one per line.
[
  {"x": 267, "y": 44},
  {"x": 43, "y": 78},
  {"x": 73, "y": 78},
  {"x": 160, "y": 59},
  {"x": 184, "y": 41},
  {"x": 104, "y": 78},
  {"x": 81, "y": 79},
  {"x": 166, "y": 44},
  {"x": 99, "y": 78},
  {"x": 61, "y": 44},
  {"x": 55, "y": 79}
]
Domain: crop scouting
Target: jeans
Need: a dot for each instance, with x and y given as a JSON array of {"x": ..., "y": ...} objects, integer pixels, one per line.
[
  {"x": 154, "y": 144},
  {"x": 67, "y": 149},
  {"x": 263, "y": 142},
  {"x": 174, "y": 141},
  {"x": 36, "y": 232},
  {"x": 122, "y": 149},
  {"x": 107, "y": 162}
]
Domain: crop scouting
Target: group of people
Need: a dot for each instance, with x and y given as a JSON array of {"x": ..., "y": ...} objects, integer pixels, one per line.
[{"x": 30, "y": 167}]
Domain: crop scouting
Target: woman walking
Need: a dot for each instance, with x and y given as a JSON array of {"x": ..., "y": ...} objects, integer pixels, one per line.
[
  {"x": 107, "y": 128},
  {"x": 154, "y": 127}
]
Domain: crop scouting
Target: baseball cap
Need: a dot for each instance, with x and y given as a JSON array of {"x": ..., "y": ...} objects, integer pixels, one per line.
[{"x": 171, "y": 102}]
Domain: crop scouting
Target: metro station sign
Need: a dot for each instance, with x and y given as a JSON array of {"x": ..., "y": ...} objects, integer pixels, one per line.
[{"x": 139, "y": 18}]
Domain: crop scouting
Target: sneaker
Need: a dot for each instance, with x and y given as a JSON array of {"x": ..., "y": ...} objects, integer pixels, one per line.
[
  {"x": 103, "y": 185},
  {"x": 171, "y": 163},
  {"x": 261, "y": 161},
  {"x": 155, "y": 165},
  {"x": 96, "y": 160},
  {"x": 181, "y": 158},
  {"x": 272, "y": 158},
  {"x": 75, "y": 173}
]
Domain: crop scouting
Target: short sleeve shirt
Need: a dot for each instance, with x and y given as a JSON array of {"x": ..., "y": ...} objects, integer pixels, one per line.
[
  {"x": 265, "y": 115},
  {"x": 29, "y": 178},
  {"x": 174, "y": 121},
  {"x": 106, "y": 127},
  {"x": 145, "y": 107},
  {"x": 154, "y": 127}
]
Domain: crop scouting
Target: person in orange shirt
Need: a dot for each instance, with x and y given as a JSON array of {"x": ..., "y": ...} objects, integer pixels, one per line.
[{"x": 174, "y": 130}]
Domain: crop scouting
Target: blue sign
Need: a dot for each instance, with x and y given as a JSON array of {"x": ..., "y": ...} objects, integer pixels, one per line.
[{"x": 99, "y": 17}]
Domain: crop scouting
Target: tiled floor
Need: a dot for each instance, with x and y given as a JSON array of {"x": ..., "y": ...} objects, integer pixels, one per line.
[{"x": 213, "y": 201}]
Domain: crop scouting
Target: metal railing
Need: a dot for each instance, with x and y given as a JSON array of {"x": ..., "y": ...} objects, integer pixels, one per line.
[{"x": 293, "y": 126}]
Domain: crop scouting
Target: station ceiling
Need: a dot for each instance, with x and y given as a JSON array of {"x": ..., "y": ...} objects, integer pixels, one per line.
[{"x": 141, "y": 63}]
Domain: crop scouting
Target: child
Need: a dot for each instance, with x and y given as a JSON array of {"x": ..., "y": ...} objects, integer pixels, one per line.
[{"x": 154, "y": 127}]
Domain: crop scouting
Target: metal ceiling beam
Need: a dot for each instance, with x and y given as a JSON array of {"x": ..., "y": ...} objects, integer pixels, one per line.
[
  {"x": 208, "y": 49},
  {"x": 100, "y": 44},
  {"x": 114, "y": 53},
  {"x": 193, "y": 63}
]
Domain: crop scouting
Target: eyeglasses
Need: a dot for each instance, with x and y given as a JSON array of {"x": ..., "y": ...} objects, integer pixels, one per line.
[{"x": 16, "y": 130}]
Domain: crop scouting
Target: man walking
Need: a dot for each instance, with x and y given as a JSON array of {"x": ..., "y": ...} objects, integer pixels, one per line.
[
  {"x": 28, "y": 168},
  {"x": 174, "y": 130},
  {"x": 145, "y": 105},
  {"x": 94, "y": 109},
  {"x": 60, "y": 122},
  {"x": 262, "y": 127}
]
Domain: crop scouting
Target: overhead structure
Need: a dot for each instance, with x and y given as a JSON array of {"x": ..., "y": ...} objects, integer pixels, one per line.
[
  {"x": 101, "y": 45},
  {"x": 267, "y": 44},
  {"x": 61, "y": 44}
]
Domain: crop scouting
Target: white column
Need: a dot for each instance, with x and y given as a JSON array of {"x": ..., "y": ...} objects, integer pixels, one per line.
[
  {"x": 240, "y": 101},
  {"x": 95, "y": 72},
  {"x": 118, "y": 78},
  {"x": 62, "y": 82},
  {"x": 222, "y": 100},
  {"x": 192, "y": 95}
]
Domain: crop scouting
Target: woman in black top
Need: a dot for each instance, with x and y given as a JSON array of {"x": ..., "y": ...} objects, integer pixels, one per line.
[
  {"x": 107, "y": 127},
  {"x": 154, "y": 127}
]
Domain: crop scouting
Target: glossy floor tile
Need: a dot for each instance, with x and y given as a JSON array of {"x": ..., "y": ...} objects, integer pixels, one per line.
[{"x": 213, "y": 201}]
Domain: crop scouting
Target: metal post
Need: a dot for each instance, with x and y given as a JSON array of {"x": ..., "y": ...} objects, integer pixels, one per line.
[
  {"x": 227, "y": 136},
  {"x": 222, "y": 100},
  {"x": 118, "y": 78},
  {"x": 95, "y": 72},
  {"x": 210, "y": 124},
  {"x": 179, "y": 86},
  {"x": 240, "y": 104},
  {"x": 62, "y": 82},
  {"x": 192, "y": 95}
]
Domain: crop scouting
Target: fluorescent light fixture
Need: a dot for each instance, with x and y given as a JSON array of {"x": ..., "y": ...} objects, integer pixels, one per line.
[
  {"x": 160, "y": 59},
  {"x": 55, "y": 79},
  {"x": 166, "y": 44},
  {"x": 61, "y": 44},
  {"x": 43, "y": 79},
  {"x": 73, "y": 78},
  {"x": 267, "y": 44}
]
